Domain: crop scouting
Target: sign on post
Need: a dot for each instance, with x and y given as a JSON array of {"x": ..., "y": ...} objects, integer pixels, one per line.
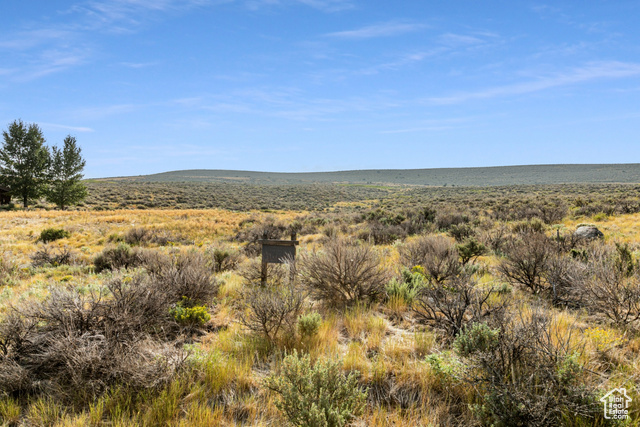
[{"x": 277, "y": 252}]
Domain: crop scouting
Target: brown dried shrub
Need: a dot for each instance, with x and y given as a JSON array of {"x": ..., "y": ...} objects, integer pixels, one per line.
[
  {"x": 436, "y": 254},
  {"x": 344, "y": 273},
  {"x": 273, "y": 310},
  {"x": 525, "y": 261},
  {"x": 613, "y": 285},
  {"x": 187, "y": 274},
  {"x": 455, "y": 303},
  {"x": 77, "y": 345}
]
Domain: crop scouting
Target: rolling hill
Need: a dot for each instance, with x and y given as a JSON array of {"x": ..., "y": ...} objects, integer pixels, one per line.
[{"x": 481, "y": 176}]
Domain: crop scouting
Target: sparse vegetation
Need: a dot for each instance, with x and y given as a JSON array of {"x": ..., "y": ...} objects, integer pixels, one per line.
[{"x": 159, "y": 317}]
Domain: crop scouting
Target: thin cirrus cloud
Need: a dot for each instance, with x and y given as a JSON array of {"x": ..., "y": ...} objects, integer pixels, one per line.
[
  {"x": 66, "y": 127},
  {"x": 589, "y": 72},
  {"x": 387, "y": 29},
  {"x": 27, "y": 39},
  {"x": 322, "y": 5}
]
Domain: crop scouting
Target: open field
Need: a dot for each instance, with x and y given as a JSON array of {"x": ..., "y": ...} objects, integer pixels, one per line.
[
  {"x": 418, "y": 361},
  {"x": 583, "y": 199}
]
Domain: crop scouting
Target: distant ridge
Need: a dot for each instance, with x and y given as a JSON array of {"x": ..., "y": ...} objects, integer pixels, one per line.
[{"x": 475, "y": 176}]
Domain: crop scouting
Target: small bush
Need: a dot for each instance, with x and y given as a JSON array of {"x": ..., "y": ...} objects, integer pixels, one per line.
[
  {"x": 460, "y": 232},
  {"x": 453, "y": 305},
  {"x": 612, "y": 287},
  {"x": 527, "y": 374},
  {"x": 273, "y": 311},
  {"x": 436, "y": 254},
  {"x": 76, "y": 345},
  {"x": 51, "y": 234},
  {"x": 344, "y": 273},
  {"x": 45, "y": 256},
  {"x": 145, "y": 236},
  {"x": 470, "y": 250},
  {"x": 316, "y": 394},
  {"x": 309, "y": 324},
  {"x": 113, "y": 258},
  {"x": 187, "y": 275},
  {"x": 382, "y": 234},
  {"x": 408, "y": 287},
  {"x": 224, "y": 259},
  {"x": 478, "y": 337},
  {"x": 526, "y": 261},
  {"x": 187, "y": 314}
]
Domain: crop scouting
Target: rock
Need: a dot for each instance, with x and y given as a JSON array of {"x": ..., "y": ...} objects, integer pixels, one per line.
[{"x": 588, "y": 232}]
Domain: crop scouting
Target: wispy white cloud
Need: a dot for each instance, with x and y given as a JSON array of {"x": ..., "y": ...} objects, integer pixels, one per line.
[
  {"x": 329, "y": 5},
  {"x": 451, "y": 39},
  {"x": 121, "y": 15},
  {"x": 100, "y": 112},
  {"x": 589, "y": 72},
  {"x": 403, "y": 61},
  {"x": 322, "y": 5},
  {"x": 27, "y": 39},
  {"x": 65, "y": 127},
  {"x": 386, "y": 29},
  {"x": 49, "y": 62},
  {"x": 434, "y": 125},
  {"x": 137, "y": 65}
]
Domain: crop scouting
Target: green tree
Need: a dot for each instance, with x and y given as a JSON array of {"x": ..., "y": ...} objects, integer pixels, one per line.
[
  {"x": 24, "y": 161},
  {"x": 65, "y": 175}
]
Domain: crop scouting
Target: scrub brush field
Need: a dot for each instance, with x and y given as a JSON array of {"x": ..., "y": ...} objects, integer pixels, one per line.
[{"x": 433, "y": 311}]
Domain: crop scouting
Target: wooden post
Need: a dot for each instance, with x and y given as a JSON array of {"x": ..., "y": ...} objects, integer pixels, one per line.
[
  {"x": 292, "y": 266},
  {"x": 263, "y": 275}
]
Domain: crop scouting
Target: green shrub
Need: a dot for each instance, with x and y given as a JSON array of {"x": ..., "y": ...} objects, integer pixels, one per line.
[
  {"x": 224, "y": 259},
  {"x": 51, "y": 234},
  {"x": 470, "y": 250},
  {"x": 187, "y": 314},
  {"x": 478, "y": 337},
  {"x": 317, "y": 394},
  {"x": 112, "y": 258},
  {"x": 408, "y": 287},
  {"x": 309, "y": 324},
  {"x": 444, "y": 367}
]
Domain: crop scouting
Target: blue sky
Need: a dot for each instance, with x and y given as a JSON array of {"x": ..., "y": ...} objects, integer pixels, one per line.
[{"x": 313, "y": 85}]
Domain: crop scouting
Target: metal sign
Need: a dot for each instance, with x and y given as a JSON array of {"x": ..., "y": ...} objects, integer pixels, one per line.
[{"x": 277, "y": 252}]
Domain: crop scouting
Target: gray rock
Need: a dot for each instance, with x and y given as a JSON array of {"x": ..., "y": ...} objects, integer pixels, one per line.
[{"x": 588, "y": 232}]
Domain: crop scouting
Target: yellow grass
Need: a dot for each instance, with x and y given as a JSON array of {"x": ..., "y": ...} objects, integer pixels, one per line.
[{"x": 229, "y": 364}]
